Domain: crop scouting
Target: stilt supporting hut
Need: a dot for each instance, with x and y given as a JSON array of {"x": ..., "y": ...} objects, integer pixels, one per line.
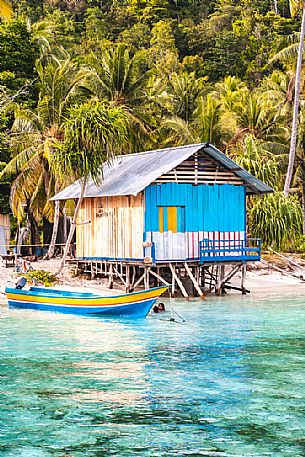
[{"x": 173, "y": 216}]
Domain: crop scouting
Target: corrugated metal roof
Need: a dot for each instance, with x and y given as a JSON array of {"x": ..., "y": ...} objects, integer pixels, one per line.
[{"x": 130, "y": 174}]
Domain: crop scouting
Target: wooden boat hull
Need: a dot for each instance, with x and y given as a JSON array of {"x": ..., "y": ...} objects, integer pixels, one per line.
[{"x": 137, "y": 304}]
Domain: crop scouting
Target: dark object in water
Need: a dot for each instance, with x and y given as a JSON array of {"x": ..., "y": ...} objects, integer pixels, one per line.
[{"x": 21, "y": 283}]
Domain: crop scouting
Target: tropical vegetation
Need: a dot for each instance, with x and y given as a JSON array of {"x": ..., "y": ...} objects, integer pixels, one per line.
[{"x": 74, "y": 75}]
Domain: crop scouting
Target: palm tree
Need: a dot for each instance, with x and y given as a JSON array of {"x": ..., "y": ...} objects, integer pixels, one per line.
[
  {"x": 183, "y": 90},
  {"x": 36, "y": 133},
  {"x": 93, "y": 134},
  {"x": 203, "y": 127},
  {"x": 256, "y": 114},
  {"x": 294, "y": 6},
  {"x": 122, "y": 82},
  {"x": 6, "y": 10}
]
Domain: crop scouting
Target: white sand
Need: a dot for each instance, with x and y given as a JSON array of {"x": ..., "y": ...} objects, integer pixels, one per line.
[
  {"x": 9, "y": 277},
  {"x": 259, "y": 278}
]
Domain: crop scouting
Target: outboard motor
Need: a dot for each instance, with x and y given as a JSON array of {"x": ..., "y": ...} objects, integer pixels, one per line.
[{"x": 21, "y": 283}]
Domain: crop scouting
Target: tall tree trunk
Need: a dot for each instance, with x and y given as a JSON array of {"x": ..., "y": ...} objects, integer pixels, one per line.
[
  {"x": 275, "y": 6},
  {"x": 303, "y": 204},
  {"x": 51, "y": 250},
  {"x": 72, "y": 227},
  {"x": 294, "y": 129},
  {"x": 34, "y": 233}
]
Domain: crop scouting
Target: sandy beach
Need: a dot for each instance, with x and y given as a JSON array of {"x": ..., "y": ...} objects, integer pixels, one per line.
[{"x": 260, "y": 276}]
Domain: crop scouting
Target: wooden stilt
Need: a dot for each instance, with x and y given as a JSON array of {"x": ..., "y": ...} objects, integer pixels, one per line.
[
  {"x": 222, "y": 275},
  {"x": 110, "y": 275},
  {"x": 218, "y": 280},
  {"x": 232, "y": 273},
  {"x": 158, "y": 273},
  {"x": 173, "y": 281},
  {"x": 243, "y": 278},
  {"x": 184, "y": 293},
  {"x": 211, "y": 278},
  {"x": 133, "y": 276},
  {"x": 196, "y": 285},
  {"x": 140, "y": 280},
  {"x": 127, "y": 279},
  {"x": 119, "y": 275},
  {"x": 146, "y": 278},
  {"x": 203, "y": 277},
  {"x": 159, "y": 278}
]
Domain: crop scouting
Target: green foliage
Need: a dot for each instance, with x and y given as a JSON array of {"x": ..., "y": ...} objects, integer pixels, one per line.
[
  {"x": 81, "y": 79},
  {"x": 35, "y": 132},
  {"x": 254, "y": 156},
  {"x": 42, "y": 277},
  {"x": 18, "y": 52},
  {"x": 277, "y": 220},
  {"x": 93, "y": 132}
]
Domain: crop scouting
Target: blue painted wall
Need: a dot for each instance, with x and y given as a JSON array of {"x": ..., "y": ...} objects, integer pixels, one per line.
[{"x": 207, "y": 207}]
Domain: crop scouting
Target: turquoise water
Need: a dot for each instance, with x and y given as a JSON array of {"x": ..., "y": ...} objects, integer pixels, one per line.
[{"x": 228, "y": 382}]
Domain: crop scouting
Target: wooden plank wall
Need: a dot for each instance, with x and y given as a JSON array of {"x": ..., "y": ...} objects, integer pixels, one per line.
[
  {"x": 5, "y": 222},
  {"x": 111, "y": 227}
]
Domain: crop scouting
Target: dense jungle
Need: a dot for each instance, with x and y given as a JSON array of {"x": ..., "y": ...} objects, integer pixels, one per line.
[{"x": 154, "y": 73}]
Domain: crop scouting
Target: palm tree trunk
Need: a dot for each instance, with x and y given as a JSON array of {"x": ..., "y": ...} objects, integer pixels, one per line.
[
  {"x": 294, "y": 129},
  {"x": 51, "y": 250},
  {"x": 72, "y": 227},
  {"x": 303, "y": 204}
]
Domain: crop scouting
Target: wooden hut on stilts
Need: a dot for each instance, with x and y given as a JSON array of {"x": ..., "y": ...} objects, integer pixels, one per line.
[{"x": 173, "y": 216}]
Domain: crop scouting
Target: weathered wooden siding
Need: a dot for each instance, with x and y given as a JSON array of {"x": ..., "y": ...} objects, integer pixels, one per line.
[
  {"x": 5, "y": 222},
  {"x": 179, "y": 216},
  {"x": 111, "y": 228}
]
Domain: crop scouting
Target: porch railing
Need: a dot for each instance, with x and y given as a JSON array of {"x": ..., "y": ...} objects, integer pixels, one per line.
[{"x": 229, "y": 250}]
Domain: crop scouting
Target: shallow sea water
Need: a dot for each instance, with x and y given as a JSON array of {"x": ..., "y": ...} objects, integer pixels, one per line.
[{"x": 228, "y": 382}]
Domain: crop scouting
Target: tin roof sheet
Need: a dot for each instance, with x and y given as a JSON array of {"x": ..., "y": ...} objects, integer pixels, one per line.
[{"x": 131, "y": 173}]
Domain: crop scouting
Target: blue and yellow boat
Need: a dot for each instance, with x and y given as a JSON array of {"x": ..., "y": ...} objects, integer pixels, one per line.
[{"x": 136, "y": 304}]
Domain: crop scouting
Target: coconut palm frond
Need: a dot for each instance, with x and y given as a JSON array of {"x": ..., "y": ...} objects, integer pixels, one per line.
[
  {"x": 19, "y": 162},
  {"x": 6, "y": 11},
  {"x": 286, "y": 54},
  {"x": 23, "y": 188},
  {"x": 252, "y": 154},
  {"x": 39, "y": 199},
  {"x": 207, "y": 117},
  {"x": 180, "y": 131}
]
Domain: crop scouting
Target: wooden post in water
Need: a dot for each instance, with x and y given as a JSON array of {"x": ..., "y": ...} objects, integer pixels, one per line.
[
  {"x": 195, "y": 283},
  {"x": 175, "y": 276}
]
